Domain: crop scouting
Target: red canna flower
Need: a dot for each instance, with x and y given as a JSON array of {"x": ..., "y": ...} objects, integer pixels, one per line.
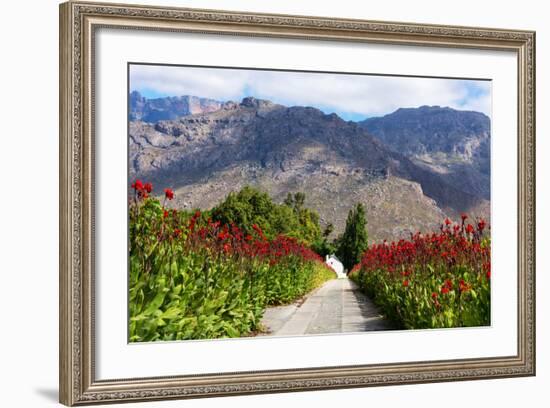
[
  {"x": 487, "y": 268},
  {"x": 223, "y": 235},
  {"x": 464, "y": 217},
  {"x": 137, "y": 185},
  {"x": 463, "y": 286},
  {"x": 444, "y": 290},
  {"x": 481, "y": 225},
  {"x": 148, "y": 187},
  {"x": 405, "y": 283},
  {"x": 469, "y": 229},
  {"x": 165, "y": 214},
  {"x": 169, "y": 193},
  {"x": 447, "y": 221}
]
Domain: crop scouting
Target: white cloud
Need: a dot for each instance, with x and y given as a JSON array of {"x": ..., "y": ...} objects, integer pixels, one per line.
[
  {"x": 482, "y": 103},
  {"x": 352, "y": 94},
  {"x": 174, "y": 81}
]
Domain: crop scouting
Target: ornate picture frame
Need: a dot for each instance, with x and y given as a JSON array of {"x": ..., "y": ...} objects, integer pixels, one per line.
[{"x": 79, "y": 22}]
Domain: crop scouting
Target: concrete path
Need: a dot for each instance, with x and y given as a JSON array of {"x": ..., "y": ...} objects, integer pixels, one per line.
[{"x": 336, "y": 307}]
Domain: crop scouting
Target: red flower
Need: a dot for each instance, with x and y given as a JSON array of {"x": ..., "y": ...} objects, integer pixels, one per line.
[
  {"x": 469, "y": 229},
  {"x": 405, "y": 283},
  {"x": 165, "y": 214},
  {"x": 444, "y": 290},
  {"x": 148, "y": 187},
  {"x": 463, "y": 286},
  {"x": 169, "y": 193},
  {"x": 464, "y": 217},
  {"x": 487, "y": 268},
  {"x": 137, "y": 185},
  {"x": 481, "y": 225},
  {"x": 434, "y": 295},
  {"x": 223, "y": 235},
  {"x": 447, "y": 221},
  {"x": 226, "y": 248}
]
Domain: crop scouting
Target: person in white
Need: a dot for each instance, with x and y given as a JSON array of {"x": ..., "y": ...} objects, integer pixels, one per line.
[{"x": 335, "y": 264}]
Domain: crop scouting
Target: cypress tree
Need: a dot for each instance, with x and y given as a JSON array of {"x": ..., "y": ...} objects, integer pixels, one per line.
[{"x": 354, "y": 241}]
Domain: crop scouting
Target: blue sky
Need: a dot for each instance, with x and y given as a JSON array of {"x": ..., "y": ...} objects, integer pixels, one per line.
[{"x": 352, "y": 97}]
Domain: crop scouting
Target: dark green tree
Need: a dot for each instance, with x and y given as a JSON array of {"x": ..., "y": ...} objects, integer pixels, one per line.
[
  {"x": 322, "y": 245},
  {"x": 245, "y": 208},
  {"x": 354, "y": 240},
  {"x": 250, "y": 206}
]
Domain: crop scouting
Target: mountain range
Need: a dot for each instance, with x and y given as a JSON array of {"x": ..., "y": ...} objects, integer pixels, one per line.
[
  {"x": 444, "y": 140},
  {"x": 411, "y": 168},
  {"x": 169, "y": 108}
]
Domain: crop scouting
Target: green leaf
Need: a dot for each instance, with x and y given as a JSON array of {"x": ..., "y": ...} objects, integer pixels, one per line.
[
  {"x": 155, "y": 303},
  {"x": 171, "y": 313}
]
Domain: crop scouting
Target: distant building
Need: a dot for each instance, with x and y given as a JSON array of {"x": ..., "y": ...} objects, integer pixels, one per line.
[{"x": 335, "y": 264}]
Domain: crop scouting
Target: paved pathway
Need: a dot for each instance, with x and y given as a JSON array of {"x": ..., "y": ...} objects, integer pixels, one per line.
[{"x": 336, "y": 307}]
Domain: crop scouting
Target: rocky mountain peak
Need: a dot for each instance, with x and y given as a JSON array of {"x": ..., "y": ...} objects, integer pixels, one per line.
[
  {"x": 152, "y": 110},
  {"x": 251, "y": 102},
  {"x": 447, "y": 141},
  {"x": 433, "y": 129}
]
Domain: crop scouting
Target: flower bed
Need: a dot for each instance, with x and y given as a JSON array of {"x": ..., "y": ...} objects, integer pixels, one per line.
[
  {"x": 192, "y": 278},
  {"x": 431, "y": 281}
]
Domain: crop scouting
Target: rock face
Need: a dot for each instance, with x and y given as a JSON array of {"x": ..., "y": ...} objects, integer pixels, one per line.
[
  {"x": 448, "y": 141},
  {"x": 283, "y": 149},
  {"x": 169, "y": 108}
]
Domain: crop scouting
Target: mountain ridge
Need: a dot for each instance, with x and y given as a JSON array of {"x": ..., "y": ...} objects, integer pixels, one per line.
[
  {"x": 283, "y": 149},
  {"x": 453, "y": 142},
  {"x": 152, "y": 110}
]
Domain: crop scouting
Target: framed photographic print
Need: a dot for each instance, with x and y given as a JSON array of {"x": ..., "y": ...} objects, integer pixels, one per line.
[{"x": 256, "y": 203}]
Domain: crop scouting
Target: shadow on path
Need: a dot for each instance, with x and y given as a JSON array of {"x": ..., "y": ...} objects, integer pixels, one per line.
[{"x": 360, "y": 312}]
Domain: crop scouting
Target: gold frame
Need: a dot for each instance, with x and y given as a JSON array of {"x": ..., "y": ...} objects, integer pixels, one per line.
[{"x": 78, "y": 22}]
